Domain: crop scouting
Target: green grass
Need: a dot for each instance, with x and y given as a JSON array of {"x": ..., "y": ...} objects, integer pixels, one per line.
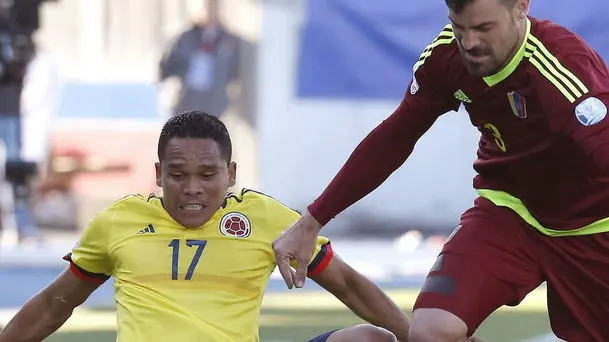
[{"x": 503, "y": 326}]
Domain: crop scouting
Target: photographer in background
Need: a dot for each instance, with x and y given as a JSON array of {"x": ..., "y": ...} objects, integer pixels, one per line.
[
  {"x": 15, "y": 52},
  {"x": 19, "y": 20}
]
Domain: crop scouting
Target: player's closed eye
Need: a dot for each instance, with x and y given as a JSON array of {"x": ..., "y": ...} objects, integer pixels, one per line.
[
  {"x": 177, "y": 175},
  {"x": 209, "y": 174},
  {"x": 458, "y": 29},
  {"x": 483, "y": 28}
]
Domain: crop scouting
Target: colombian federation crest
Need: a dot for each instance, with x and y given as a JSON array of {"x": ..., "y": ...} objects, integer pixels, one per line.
[
  {"x": 235, "y": 225},
  {"x": 518, "y": 104}
]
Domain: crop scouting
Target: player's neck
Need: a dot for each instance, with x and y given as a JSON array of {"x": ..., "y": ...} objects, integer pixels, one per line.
[{"x": 522, "y": 33}]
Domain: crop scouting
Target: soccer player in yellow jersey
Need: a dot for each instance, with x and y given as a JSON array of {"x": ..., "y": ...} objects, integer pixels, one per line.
[{"x": 193, "y": 265}]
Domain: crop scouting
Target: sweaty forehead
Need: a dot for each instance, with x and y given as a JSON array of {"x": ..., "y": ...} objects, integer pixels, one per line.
[{"x": 192, "y": 151}]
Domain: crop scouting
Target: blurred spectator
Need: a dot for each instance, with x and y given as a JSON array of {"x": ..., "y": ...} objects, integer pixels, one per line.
[
  {"x": 5, "y": 190},
  {"x": 10, "y": 133},
  {"x": 19, "y": 20},
  {"x": 204, "y": 58},
  {"x": 40, "y": 101},
  {"x": 9, "y": 120}
]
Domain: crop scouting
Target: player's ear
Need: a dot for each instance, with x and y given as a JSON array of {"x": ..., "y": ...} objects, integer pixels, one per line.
[
  {"x": 522, "y": 8},
  {"x": 157, "y": 169},
  {"x": 232, "y": 174}
]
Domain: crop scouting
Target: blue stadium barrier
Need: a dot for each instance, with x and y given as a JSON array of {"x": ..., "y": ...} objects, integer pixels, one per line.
[{"x": 362, "y": 49}]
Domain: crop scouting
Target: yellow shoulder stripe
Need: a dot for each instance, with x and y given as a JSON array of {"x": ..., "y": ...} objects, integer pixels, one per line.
[
  {"x": 128, "y": 197},
  {"x": 446, "y": 36},
  {"x": 550, "y": 67}
]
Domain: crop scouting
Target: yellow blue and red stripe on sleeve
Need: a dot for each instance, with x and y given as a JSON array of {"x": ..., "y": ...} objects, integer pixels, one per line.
[
  {"x": 321, "y": 260},
  {"x": 98, "y": 278}
]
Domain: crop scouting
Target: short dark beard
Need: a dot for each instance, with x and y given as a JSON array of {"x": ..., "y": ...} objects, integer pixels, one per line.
[{"x": 515, "y": 47}]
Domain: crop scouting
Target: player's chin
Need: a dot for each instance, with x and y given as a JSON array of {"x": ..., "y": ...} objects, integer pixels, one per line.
[
  {"x": 192, "y": 223},
  {"x": 477, "y": 69},
  {"x": 194, "y": 220}
]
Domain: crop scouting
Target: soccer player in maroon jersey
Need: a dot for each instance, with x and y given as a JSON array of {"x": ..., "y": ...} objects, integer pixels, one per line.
[{"x": 538, "y": 94}]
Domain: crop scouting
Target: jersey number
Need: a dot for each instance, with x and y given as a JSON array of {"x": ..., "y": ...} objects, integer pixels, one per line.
[
  {"x": 495, "y": 132},
  {"x": 175, "y": 257}
]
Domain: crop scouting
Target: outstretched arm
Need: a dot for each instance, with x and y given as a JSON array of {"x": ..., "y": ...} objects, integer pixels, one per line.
[
  {"x": 374, "y": 159},
  {"x": 363, "y": 297},
  {"x": 382, "y": 152},
  {"x": 430, "y": 95},
  {"x": 49, "y": 309}
]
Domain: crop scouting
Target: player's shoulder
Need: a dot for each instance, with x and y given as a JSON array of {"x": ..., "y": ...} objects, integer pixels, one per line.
[
  {"x": 439, "y": 62},
  {"x": 556, "y": 39},
  {"x": 132, "y": 201},
  {"x": 253, "y": 200},
  {"x": 441, "y": 51},
  {"x": 129, "y": 206},
  {"x": 563, "y": 63}
]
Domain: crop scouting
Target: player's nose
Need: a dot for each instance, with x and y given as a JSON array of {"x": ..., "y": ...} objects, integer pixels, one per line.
[
  {"x": 469, "y": 42},
  {"x": 193, "y": 188}
]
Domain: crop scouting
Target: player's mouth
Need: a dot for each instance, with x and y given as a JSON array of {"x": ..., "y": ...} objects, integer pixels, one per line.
[
  {"x": 192, "y": 208},
  {"x": 474, "y": 58}
]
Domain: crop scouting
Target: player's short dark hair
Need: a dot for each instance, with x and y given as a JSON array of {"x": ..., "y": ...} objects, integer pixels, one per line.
[
  {"x": 457, "y": 6},
  {"x": 196, "y": 124}
]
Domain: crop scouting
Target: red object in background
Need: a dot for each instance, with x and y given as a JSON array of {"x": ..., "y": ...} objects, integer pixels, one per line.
[{"x": 106, "y": 163}]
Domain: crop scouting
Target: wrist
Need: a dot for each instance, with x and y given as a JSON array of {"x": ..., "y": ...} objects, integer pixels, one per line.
[
  {"x": 318, "y": 214},
  {"x": 310, "y": 223}
]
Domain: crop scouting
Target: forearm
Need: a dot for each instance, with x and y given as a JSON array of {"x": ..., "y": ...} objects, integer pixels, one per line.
[
  {"x": 383, "y": 151},
  {"x": 37, "y": 319},
  {"x": 370, "y": 303}
]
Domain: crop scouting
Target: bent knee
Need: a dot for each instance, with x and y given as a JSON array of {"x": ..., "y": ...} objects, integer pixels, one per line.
[
  {"x": 363, "y": 333},
  {"x": 372, "y": 333},
  {"x": 436, "y": 325}
]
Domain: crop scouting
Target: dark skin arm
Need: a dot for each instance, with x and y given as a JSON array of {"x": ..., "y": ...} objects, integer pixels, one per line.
[
  {"x": 363, "y": 297},
  {"x": 49, "y": 309}
]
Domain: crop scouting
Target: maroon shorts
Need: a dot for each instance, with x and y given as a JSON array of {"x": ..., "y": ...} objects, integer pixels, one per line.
[{"x": 495, "y": 258}]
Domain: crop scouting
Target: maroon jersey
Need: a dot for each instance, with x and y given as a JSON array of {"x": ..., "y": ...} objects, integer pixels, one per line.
[
  {"x": 544, "y": 135},
  {"x": 545, "y": 139}
]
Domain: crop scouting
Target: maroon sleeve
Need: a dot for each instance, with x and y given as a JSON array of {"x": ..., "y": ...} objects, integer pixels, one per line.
[
  {"x": 583, "y": 119},
  {"x": 386, "y": 148}
]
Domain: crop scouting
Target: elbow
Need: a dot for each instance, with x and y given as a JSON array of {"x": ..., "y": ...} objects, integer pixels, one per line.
[
  {"x": 61, "y": 309},
  {"x": 38, "y": 318},
  {"x": 55, "y": 313}
]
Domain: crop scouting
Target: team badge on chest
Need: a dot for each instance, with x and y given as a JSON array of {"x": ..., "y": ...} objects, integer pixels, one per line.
[
  {"x": 235, "y": 225},
  {"x": 518, "y": 104}
]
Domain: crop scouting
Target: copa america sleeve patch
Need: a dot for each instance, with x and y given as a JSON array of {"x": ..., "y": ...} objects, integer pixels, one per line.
[
  {"x": 590, "y": 111},
  {"x": 414, "y": 86}
]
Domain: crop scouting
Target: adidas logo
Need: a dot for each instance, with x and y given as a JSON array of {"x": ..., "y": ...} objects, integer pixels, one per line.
[
  {"x": 460, "y": 95},
  {"x": 149, "y": 229}
]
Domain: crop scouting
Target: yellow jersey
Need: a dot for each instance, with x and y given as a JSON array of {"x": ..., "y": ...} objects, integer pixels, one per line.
[{"x": 179, "y": 284}]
